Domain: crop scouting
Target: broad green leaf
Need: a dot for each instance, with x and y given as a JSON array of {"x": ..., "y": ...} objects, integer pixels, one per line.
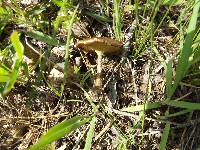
[
  {"x": 90, "y": 134},
  {"x": 4, "y": 72},
  {"x": 182, "y": 104},
  {"x": 63, "y": 17},
  {"x": 19, "y": 48},
  {"x": 4, "y": 75},
  {"x": 13, "y": 77},
  {"x": 59, "y": 3},
  {"x": 60, "y": 130},
  {"x": 37, "y": 10},
  {"x": 147, "y": 106},
  {"x": 43, "y": 37},
  {"x": 4, "y": 78},
  {"x": 17, "y": 64}
]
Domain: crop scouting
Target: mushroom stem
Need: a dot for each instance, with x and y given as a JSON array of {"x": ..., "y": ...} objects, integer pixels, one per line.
[
  {"x": 98, "y": 80},
  {"x": 100, "y": 45}
]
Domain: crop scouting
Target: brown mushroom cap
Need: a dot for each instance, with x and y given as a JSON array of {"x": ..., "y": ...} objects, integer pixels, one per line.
[{"x": 101, "y": 44}]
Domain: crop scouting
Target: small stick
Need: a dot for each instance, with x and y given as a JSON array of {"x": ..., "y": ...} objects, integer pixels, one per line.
[{"x": 98, "y": 80}]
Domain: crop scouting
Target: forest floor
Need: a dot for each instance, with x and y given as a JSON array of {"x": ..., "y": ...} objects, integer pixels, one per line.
[{"x": 57, "y": 79}]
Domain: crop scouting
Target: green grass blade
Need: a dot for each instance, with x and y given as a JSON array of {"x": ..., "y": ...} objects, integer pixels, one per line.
[
  {"x": 54, "y": 90},
  {"x": 164, "y": 137},
  {"x": 187, "y": 47},
  {"x": 117, "y": 20},
  {"x": 176, "y": 114},
  {"x": 60, "y": 130},
  {"x": 85, "y": 77},
  {"x": 182, "y": 104},
  {"x": 197, "y": 40},
  {"x": 90, "y": 134},
  {"x": 169, "y": 77},
  {"x": 43, "y": 37},
  {"x": 26, "y": 71},
  {"x": 89, "y": 98},
  {"x": 160, "y": 58},
  {"x": 67, "y": 48},
  {"x": 100, "y": 18},
  {"x": 147, "y": 106},
  {"x": 196, "y": 50},
  {"x": 149, "y": 29},
  {"x": 196, "y": 44},
  {"x": 172, "y": 2},
  {"x": 18, "y": 47}
]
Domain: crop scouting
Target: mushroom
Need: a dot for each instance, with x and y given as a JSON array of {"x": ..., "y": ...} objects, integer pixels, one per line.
[{"x": 100, "y": 46}]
